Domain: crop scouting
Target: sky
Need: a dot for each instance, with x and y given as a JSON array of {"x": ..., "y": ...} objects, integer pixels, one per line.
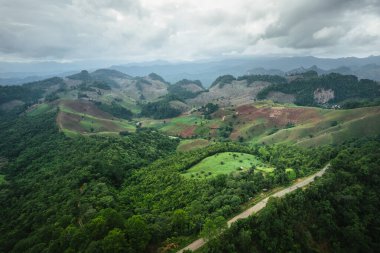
[{"x": 178, "y": 30}]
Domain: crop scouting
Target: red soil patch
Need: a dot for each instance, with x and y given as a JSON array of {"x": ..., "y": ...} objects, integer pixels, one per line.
[
  {"x": 188, "y": 132},
  {"x": 86, "y": 107},
  {"x": 277, "y": 116},
  {"x": 70, "y": 121}
]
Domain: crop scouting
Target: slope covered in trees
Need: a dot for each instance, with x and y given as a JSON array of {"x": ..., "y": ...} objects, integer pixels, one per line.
[
  {"x": 339, "y": 213},
  {"x": 108, "y": 194}
]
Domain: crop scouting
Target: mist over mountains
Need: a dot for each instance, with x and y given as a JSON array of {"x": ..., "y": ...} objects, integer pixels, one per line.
[{"x": 205, "y": 71}]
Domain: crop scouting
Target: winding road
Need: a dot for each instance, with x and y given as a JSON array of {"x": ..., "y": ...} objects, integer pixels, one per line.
[{"x": 260, "y": 205}]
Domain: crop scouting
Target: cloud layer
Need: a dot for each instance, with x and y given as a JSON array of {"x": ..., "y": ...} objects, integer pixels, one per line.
[{"x": 143, "y": 30}]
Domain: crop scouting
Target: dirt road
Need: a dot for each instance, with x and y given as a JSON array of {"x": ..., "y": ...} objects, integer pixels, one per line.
[{"x": 260, "y": 205}]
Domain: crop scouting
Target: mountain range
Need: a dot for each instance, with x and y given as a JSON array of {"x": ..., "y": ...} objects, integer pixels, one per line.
[{"x": 205, "y": 71}]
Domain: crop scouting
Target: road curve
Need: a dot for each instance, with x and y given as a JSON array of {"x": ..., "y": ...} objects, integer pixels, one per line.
[{"x": 260, "y": 205}]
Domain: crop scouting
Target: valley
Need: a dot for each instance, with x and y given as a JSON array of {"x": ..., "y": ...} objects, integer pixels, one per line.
[{"x": 158, "y": 164}]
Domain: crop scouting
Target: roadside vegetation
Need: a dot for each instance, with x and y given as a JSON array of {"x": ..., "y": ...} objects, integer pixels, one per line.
[{"x": 338, "y": 213}]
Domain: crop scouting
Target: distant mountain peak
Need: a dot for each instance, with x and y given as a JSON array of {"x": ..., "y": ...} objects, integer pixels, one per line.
[{"x": 83, "y": 76}]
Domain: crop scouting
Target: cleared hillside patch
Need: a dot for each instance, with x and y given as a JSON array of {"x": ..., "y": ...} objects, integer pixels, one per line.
[
  {"x": 223, "y": 163},
  {"x": 334, "y": 127},
  {"x": 85, "y": 118}
]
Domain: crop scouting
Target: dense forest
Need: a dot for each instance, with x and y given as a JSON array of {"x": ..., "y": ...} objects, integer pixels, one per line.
[
  {"x": 119, "y": 194},
  {"x": 338, "y": 213}
]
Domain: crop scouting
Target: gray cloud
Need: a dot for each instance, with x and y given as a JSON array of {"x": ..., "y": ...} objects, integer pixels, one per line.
[
  {"x": 319, "y": 23},
  {"x": 136, "y": 30}
]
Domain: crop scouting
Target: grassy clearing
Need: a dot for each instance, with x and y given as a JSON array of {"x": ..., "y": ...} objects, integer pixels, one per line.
[{"x": 223, "y": 163}]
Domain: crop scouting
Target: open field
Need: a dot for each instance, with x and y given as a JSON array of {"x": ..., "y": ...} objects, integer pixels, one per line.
[{"x": 223, "y": 163}]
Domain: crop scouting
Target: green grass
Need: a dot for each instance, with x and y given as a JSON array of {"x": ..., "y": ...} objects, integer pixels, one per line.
[
  {"x": 223, "y": 163},
  {"x": 268, "y": 170}
]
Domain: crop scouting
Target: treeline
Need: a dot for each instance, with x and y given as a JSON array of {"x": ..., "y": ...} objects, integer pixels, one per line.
[
  {"x": 338, "y": 213},
  {"x": 344, "y": 87}
]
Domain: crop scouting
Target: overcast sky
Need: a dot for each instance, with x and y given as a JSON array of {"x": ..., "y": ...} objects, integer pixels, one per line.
[{"x": 145, "y": 30}]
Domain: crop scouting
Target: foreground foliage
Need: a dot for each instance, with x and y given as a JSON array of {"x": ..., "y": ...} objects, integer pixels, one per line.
[{"x": 339, "y": 213}]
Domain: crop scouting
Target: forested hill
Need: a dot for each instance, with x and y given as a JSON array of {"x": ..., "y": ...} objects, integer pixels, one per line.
[
  {"x": 121, "y": 194},
  {"x": 313, "y": 90},
  {"x": 339, "y": 213},
  {"x": 57, "y": 187}
]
